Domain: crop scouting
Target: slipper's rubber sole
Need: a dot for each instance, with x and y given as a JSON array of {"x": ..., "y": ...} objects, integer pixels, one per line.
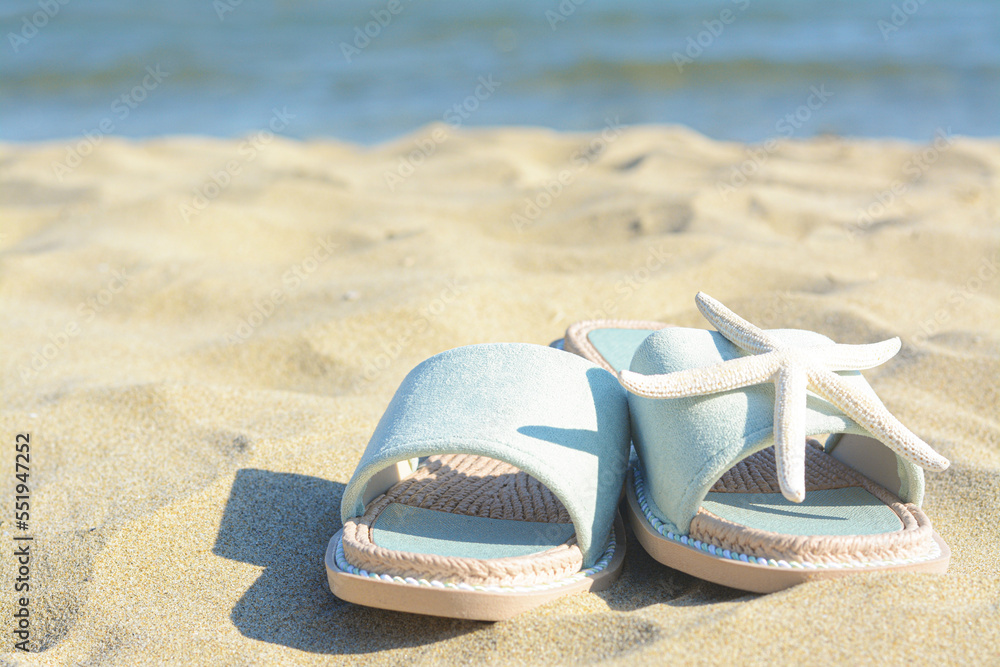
[
  {"x": 746, "y": 576},
  {"x": 452, "y": 603}
]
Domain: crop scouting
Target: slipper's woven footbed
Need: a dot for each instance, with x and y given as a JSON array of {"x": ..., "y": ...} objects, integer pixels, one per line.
[{"x": 473, "y": 486}]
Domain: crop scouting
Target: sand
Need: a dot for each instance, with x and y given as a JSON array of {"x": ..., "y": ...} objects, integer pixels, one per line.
[{"x": 200, "y": 336}]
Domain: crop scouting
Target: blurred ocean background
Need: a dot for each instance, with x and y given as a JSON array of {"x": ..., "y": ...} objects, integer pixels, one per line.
[{"x": 370, "y": 71}]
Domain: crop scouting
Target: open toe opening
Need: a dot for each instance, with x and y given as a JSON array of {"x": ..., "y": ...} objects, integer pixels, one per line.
[
  {"x": 845, "y": 516},
  {"x": 836, "y": 503},
  {"x": 465, "y": 518}
]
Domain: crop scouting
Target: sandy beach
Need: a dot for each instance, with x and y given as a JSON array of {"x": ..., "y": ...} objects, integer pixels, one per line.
[{"x": 200, "y": 335}]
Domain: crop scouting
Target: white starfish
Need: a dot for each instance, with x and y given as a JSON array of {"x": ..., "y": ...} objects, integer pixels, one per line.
[{"x": 793, "y": 370}]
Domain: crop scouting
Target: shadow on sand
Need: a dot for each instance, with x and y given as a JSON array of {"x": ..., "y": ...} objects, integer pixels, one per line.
[{"x": 283, "y": 522}]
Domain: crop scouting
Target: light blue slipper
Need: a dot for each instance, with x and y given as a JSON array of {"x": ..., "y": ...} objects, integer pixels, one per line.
[
  {"x": 489, "y": 487},
  {"x": 707, "y": 494}
]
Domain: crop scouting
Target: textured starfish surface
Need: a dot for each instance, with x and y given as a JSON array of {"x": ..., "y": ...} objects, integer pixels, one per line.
[{"x": 793, "y": 370}]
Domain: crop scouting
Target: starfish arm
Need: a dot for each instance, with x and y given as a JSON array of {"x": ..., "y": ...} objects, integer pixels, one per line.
[
  {"x": 744, "y": 334},
  {"x": 732, "y": 374},
  {"x": 855, "y": 357},
  {"x": 873, "y": 416},
  {"x": 790, "y": 431}
]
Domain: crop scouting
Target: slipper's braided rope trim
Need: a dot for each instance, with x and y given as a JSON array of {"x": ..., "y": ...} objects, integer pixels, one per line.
[
  {"x": 724, "y": 539},
  {"x": 473, "y": 486},
  {"x": 599, "y": 566}
]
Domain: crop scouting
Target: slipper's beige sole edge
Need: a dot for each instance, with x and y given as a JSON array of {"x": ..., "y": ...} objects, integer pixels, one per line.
[
  {"x": 745, "y": 576},
  {"x": 451, "y": 603}
]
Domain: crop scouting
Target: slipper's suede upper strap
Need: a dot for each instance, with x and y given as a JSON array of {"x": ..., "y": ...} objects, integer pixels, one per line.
[
  {"x": 686, "y": 444},
  {"x": 554, "y": 415}
]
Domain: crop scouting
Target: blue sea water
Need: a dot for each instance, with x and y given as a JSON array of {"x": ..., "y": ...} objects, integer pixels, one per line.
[{"x": 370, "y": 71}]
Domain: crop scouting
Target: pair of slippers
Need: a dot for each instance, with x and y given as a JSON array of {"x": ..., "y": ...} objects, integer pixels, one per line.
[{"x": 492, "y": 483}]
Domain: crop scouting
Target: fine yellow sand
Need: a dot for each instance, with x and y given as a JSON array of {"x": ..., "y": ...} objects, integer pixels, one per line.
[{"x": 200, "y": 336}]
